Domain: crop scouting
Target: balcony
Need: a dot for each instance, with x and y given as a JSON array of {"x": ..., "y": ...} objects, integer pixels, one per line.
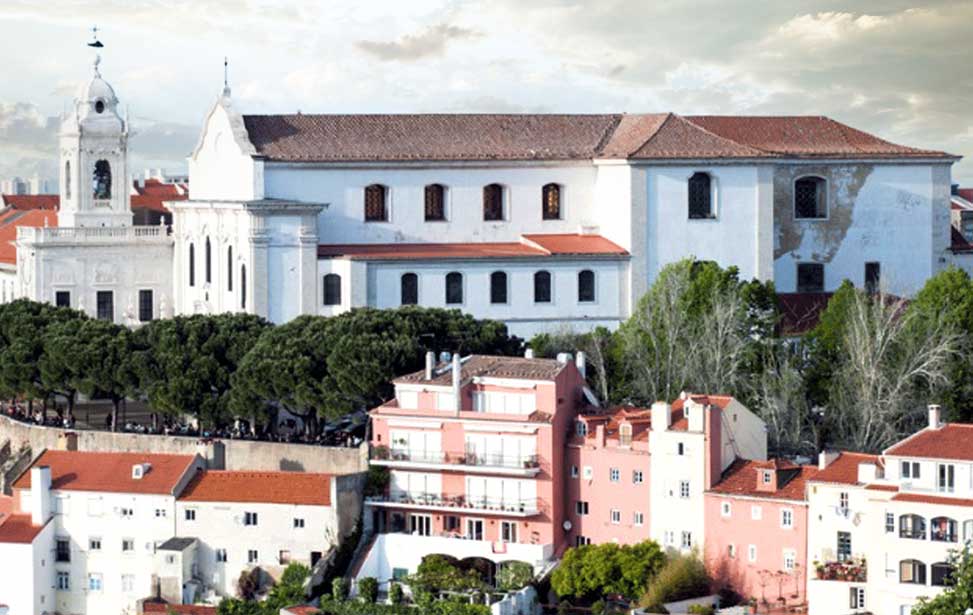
[
  {"x": 94, "y": 234},
  {"x": 852, "y": 570},
  {"x": 471, "y": 463},
  {"x": 527, "y": 507}
]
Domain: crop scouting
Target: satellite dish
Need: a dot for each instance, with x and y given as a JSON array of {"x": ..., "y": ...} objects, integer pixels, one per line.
[{"x": 567, "y": 528}]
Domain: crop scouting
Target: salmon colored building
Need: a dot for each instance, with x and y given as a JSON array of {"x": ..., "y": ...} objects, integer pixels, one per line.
[{"x": 756, "y": 528}]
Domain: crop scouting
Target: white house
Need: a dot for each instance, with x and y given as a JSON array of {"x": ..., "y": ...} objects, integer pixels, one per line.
[{"x": 27, "y": 582}]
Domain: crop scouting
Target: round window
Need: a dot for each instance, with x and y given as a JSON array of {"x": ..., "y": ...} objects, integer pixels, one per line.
[{"x": 99, "y": 106}]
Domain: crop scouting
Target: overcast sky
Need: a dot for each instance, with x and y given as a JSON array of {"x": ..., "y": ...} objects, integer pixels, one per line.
[{"x": 898, "y": 69}]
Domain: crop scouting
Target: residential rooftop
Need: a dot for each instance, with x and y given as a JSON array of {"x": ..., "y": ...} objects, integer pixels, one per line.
[
  {"x": 110, "y": 472},
  {"x": 299, "y": 488}
]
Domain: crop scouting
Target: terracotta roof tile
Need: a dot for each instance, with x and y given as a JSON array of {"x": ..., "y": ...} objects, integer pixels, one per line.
[
  {"x": 639, "y": 418},
  {"x": 920, "y": 498},
  {"x": 876, "y": 487},
  {"x": 679, "y": 138},
  {"x": 741, "y": 479},
  {"x": 477, "y": 365},
  {"x": 951, "y": 441},
  {"x": 533, "y": 246},
  {"x": 110, "y": 472},
  {"x": 844, "y": 469},
  {"x": 18, "y": 529},
  {"x": 153, "y": 193},
  {"x": 966, "y": 193},
  {"x": 574, "y": 243},
  {"x": 31, "y": 201},
  {"x": 303, "y": 488},
  {"x": 11, "y": 219},
  {"x": 679, "y": 420},
  {"x": 178, "y": 609}
]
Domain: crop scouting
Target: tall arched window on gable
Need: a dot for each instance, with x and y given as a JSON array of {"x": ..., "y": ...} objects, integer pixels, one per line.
[
  {"x": 700, "y": 197},
  {"x": 551, "y": 202},
  {"x": 435, "y": 203},
  {"x": 409, "y": 294},
  {"x": 332, "y": 289},
  {"x": 376, "y": 206},
  {"x": 454, "y": 287},
  {"x": 67, "y": 179},
  {"x": 229, "y": 268},
  {"x": 493, "y": 202},
  {"x": 208, "y": 267},
  {"x": 498, "y": 287},
  {"x": 192, "y": 264},
  {"x": 542, "y": 287},
  {"x": 243, "y": 287},
  {"x": 101, "y": 180},
  {"x": 810, "y": 198},
  {"x": 586, "y": 286}
]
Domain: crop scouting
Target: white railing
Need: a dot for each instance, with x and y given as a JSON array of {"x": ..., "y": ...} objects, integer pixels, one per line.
[{"x": 75, "y": 234}]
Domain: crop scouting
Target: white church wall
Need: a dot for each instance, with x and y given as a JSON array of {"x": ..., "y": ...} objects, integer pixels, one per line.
[
  {"x": 343, "y": 189},
  {"x": 221, "y": 167}
]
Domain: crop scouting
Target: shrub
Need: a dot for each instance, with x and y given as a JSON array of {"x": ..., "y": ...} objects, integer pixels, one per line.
[
  {"x": 592, "y": 571},
  {"x": 368, "y": 589},
  {"x": 339, "y": 588},
  {"x": 248, "y": 584},
  {"x": 514, "y": 575},
  {"x": 683, "y": 576},
  {"x": 701, "y": 609},
  {"x": 395, "y": 593}
]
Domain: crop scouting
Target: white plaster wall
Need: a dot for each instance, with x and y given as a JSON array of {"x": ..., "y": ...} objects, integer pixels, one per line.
[
  {"x": 667, "y": 510},
  {"x": 219, "y": 525},
  {"x": 343, "y": 189},
  {"x": 28, "y": 589},
  {"x": 9, "y": 288},
  {"x": 729, "y": 239},
  {"x": 824, "y": 523},
  {"x": 743, "y": 433},
  {"x": 221, "y": 168}
]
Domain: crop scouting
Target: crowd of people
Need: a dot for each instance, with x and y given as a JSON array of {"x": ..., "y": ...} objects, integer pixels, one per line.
[{"x": 346, "y": 431}]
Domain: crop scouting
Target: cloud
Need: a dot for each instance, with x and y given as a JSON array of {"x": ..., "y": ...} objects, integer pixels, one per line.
[{"x": 430, "y": 42}]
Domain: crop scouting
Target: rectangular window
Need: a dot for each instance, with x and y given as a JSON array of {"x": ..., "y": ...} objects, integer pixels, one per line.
[
  {"x": 684, "y": 489},
  {"x": 810, "y": 277},
  {"x": 947, "y": 478},
  {"x": 767, "y": 477},
  {"x": 889, "y": 523},
  {"x": 731, "y": 551},
  {"x": 145, "y": 306},
  {"x": 298, "y": 523},
  {"x": 94, "y": 544},
  {"x": 756, "y": 513},
  {"x": 680, "y": 448},
  {"x": 574, "y": 471},
  {"x": 283, "y": 557},
  {"x": 128, "y": 583},
  {"x": 399, "y": 574},
  {"x": 508, "y": 531},
  {"x": 160, "y": 513},
  {"x": 252, "y": 556},
  {"x": 787, "y": 518},
  {"x": 249, "y": 518},
  {"x": 810, "y": 198},
  {"x": 580, "y": 541},
  {"x": 843, "y": 500},
  {"x": 790, "y": 560},
  {"x": 856, "y": 599},
  {"x": 687, "y": 540},
  {"x": 581, "y": 507},
  {"x": 725, "y": 509},
  {"x": 62, "y": 298},
  {"x": 844, "y": 546},
  {"x": 638, "y": 519},
  {"x": 616, "y": 516},
  {"x": 614, "y": 475},
  {"x": 62, "y": 550},
  {"x": 128, "y": 544},
  {"x": 637, "y": 477},
  {"x": 873, "y": 277},
  {"x": 105, "y": 302},
  {"x": 94, "y": 581},
  {"x": 580, "y": 428},
  {"x": 220, "y": 555},
  {"x": 126, "y": 513},
  {"x": 752, "y": 553},
  {"x": 190, "y": 514},
  {"x": 63, "y": 581}
]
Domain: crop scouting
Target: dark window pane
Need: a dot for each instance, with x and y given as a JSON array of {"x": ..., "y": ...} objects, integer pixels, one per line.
[
  {"x": 542, "y": 287},
  {"x": 873, "y": 277},
  {"x": 700, "y": 196},
  {"x": 67, "y": 180},
  {"x": 454, "y": 287},
  {"x": 809, "y": 198},
  {"x": 551, "y": 196},
  {"x": 105, "y": 302},
  {"x": 243, "y": 287},
  {"x": 229, "y": 268},
  {"x": 209, "y": 262},
  {"x": 498, "y": 287},
  {"x": 435, "y": 203},
  {"x": 410, "y": 289},
  {"x": 493, "y": 202},
  {"x": 332, "y": 289},
  {"x": 101, "y": 180},
  {"x": 942, "y": 573},
  {"x": 586, "y": 286},
  {"x": 192, "y": 265},
  {"x": 375, "y": 204},
  {"x": 810, "y": 278},
  {"x": 62, "y": 298},
  {"x": 145, "y": 305}
]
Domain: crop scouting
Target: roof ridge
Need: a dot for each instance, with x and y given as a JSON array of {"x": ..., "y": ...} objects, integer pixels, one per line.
[
  {"x": 669, "y": 116},
  {"x": 727, "y": 139}
]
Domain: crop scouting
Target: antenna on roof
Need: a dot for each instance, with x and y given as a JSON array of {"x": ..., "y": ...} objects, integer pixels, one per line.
[{"x": 226, "y": 76}]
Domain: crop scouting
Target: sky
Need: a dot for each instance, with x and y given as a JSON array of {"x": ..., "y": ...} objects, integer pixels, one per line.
[{"x": 899, "y": 69}]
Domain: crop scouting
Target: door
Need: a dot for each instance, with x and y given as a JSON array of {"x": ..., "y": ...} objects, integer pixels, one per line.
[
  {"x": 420, "y": 525},
  {"x": 474, "y": 529},
  {"x": 508, "y": 531}
]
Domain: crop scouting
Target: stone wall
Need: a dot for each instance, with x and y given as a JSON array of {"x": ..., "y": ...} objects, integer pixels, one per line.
[{"x": 219, "y": 454}]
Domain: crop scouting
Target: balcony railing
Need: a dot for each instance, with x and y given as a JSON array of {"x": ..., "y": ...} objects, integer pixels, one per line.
[
  {"x": 525, "y": 462},
  {"x": 853, "y": 570},
  {"x": 915, "y": 534},
  {"x": 82, "y": 234},
  {"x": 526, "y": 506}
]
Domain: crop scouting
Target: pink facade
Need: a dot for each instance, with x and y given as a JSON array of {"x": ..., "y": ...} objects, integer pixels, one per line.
[{"x": 756, "y": 528}]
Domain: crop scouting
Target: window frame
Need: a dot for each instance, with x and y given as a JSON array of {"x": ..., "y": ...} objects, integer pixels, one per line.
[
  {"x": 499, "y": 293},
  {"x": 594, "y": 286},
  {"x": 557, "y": 190},
  {"x": 538, "y": 278},
  {"x": 710, "y": 196},
  {"x": 797, "y": 277},
  {"x": 62, "y": 294},
  {"x": 726, "y": 509},
  {"x": 146, "y": 307},
  {"x": 462, "y": 288},
  {"x": 331, "y": 294},
  {"x": 824, "y": 185},
  {"x": 442, "y": 196},
  {"x": 402, "y": 288},
  {"x": 787, "y": 518},
  {"x": 99, "y": 313},
  {"x": 502, "y": 193},
  {"x": 917, "y": 569},
  {"x": 385, "y": 201}
]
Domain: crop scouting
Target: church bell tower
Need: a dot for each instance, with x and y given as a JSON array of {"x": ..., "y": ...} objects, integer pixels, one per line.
[{"x": 94, "y": 159}]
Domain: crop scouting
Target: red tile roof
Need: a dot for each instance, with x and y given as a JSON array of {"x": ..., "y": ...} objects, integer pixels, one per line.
[
  {"x": 152, "y": 194},
  {"x": 337, "y": 138},
  {"x": 10, "y": 219},
  {"x": 877, "y": 487},
  {"x": 18, "y": 529},
  {"x": 741, "y": 479},
  {"x": 966, "y": 193},
  {"x": 844, "y": 469},
  {"x": 800, "y": 312},
  {"x": 920, "y": 498},
  {"x": 951, "y": 441},
  {"x": 31, "y": 201},
  {"x": 302, "y": 488},
  {"x": 679, "y": 420},
  {"x": 178, "y": 609},
  {"x": 478, "y": 365},
  {"x": 110, "y": 472},
  {"x": 532, "y": 246},
  {"x": 612, "y": 418}
]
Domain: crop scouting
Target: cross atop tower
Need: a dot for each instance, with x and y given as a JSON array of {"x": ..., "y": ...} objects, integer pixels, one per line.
[{"x": 94, "y": 38}]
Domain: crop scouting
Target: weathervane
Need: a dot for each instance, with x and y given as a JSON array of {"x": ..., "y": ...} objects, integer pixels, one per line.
[
  {"x": 94, "y": 39},
  {"x": 226, "y": 76}
]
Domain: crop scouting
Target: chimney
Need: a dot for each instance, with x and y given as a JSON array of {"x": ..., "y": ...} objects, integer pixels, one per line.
[
  {"x": 661, "y": 416},
  {"x": 582, "y": 366},
  {"x": 457, "y": 377},
  {"x": 693, "y": 412},
  {"x": 40, "y": 495},
  {"x": 867, "y": 472},
  {"x": 826, "y": 458},
  {"x": 600, "y": 435},
  {"x": 563, "y": 357},
  {"x": 935, "y": 416},
  {"x": 430, "y": 363},
  {"x": 529, "y": 353}
]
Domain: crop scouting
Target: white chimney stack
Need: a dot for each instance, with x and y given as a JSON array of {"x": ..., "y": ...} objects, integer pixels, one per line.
[
  {"x": 40, "y": 495},
  {"x": 430, "y": 363},
  {"x": 826, "y": 458},
  {"x": 529, "y": 353},
  {"x": 457, "y": 376},
  {"x": 581, "y": 364},
  {"x": 661, "y": 416},
  {"x": 563, "y": 357},
  {"x": 935, "y": 416}
]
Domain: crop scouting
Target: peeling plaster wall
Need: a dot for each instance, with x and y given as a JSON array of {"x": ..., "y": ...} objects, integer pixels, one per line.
[{"x": 894, "y": 214}]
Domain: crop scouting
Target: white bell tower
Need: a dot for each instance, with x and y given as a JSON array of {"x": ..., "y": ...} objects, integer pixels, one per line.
[{"x": 94, "y": 159}]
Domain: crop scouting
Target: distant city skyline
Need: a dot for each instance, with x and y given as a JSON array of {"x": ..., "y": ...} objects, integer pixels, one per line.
[{"x": 887, "y": 68}]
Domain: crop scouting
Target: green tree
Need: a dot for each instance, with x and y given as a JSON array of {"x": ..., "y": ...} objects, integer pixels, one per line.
[
  {"x": 60, "y": 362},
  {"x": 104, "y": 352},
  {"x": 824, "y": 343},
  {"x": 957, "y": 597},
  {"x": 683, "y": 576},
  {"x": 437, "y": 573},
  {"x": 368, "y": 589},
  {"x": 589, "y": 572}
]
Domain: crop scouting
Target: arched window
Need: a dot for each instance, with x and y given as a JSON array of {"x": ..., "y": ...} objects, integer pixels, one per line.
[
  {"x": 101, "y": 180},
  {"x": 243, "y": 287},
  {"x": 810, "y": 198},
  {"x": 700, "y": 197},
  {"x": 498, "y": 287},
  {"x": 551, "y": 202},
  {"x": 625, "y": 434},
  {"x": 208, "y": 262},
  {"x": 435, "y": 203},
  {"x": 493, "y": 202},
  {"x": 410, "y": 289},
  {"x": 192, "y": 265},
  {"x": 454, "y": 287},
  {"x": 912, "y": 571},
  {"x": 941, "y": 574},
  {"x": 586, "y": 286},
  {"x": 229, "y": 268},
  {"x": 912, "y": 526},
  {"x": 332, "y": 289},
  {"x": 376, "y": 209},
  {"x": 542, "y": 287},
  {"x": 943, "y": 529},
  {"x": 67, "y": 179}
]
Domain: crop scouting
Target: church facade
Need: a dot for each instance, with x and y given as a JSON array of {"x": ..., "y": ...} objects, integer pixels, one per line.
[{"x": 546, "y": 222}]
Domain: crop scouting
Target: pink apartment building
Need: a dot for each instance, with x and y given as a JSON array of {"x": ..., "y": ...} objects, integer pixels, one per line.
[{"x": 756, "y": 526}]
